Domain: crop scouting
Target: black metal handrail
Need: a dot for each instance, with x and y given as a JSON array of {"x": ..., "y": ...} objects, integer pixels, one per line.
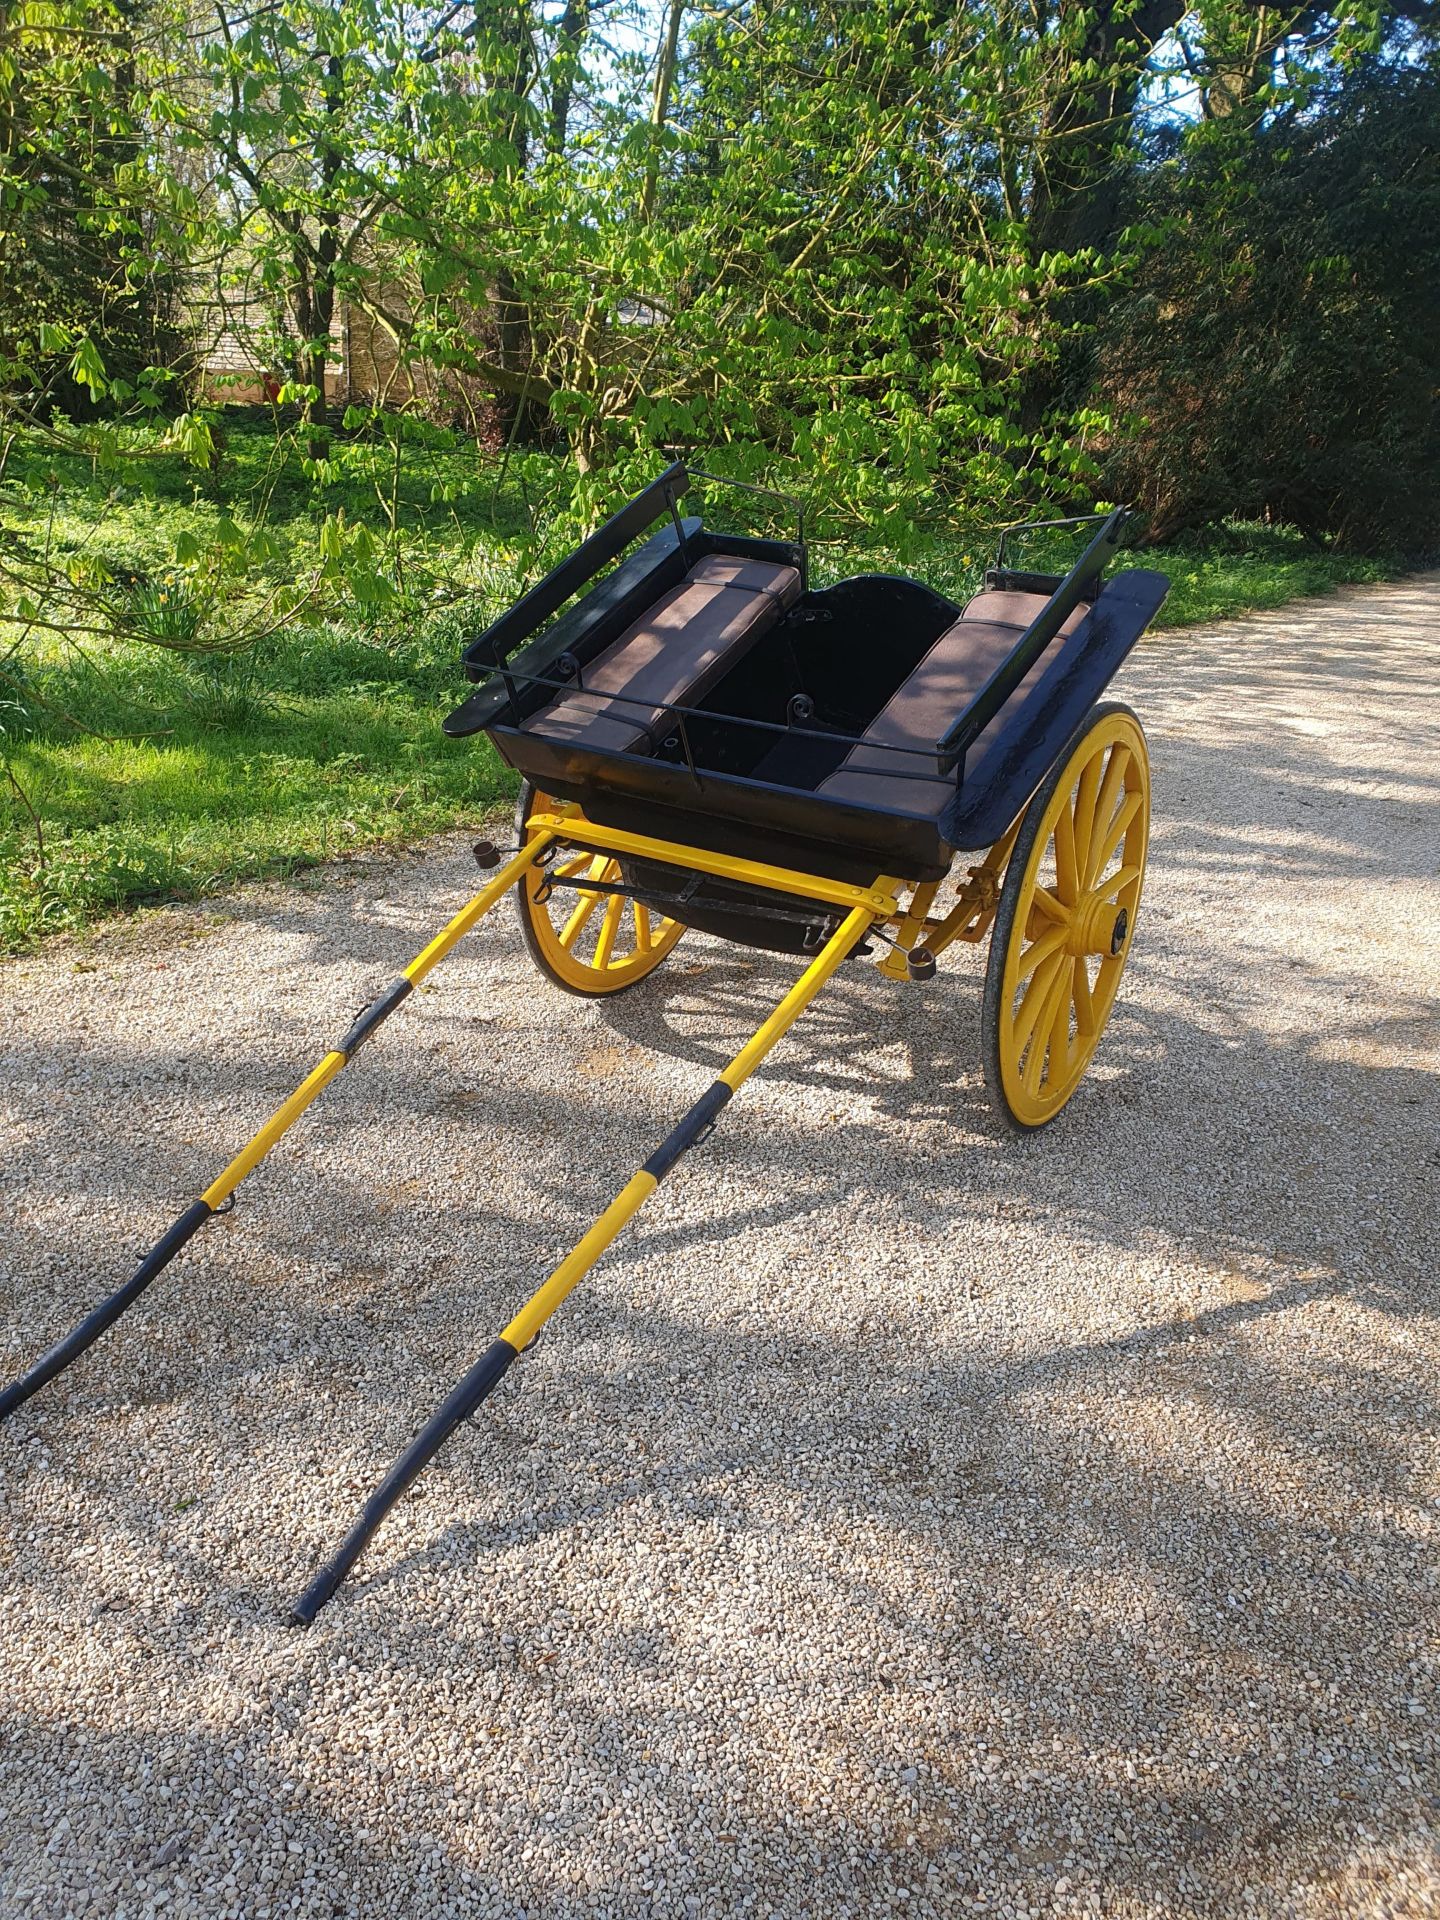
[
  {"x": 790, "y": 500},
  {"x": 1047, "y": 526},
  {"x": 547, "y": 596},
  {"x": 573, "y": 684},
  {"x": 1077, "y": 585}
]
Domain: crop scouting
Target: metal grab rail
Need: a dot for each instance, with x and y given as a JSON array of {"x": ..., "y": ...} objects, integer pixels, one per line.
[
  {"x": 1077, "y": 585},
  {"x": 1045, "y": 526},
  {"x": 681, "y": 714},
  {"x": 790, "y": 500},
  {"x": 608, "y": 541}
]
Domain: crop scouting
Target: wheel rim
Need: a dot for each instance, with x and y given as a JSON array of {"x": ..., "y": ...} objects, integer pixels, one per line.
[
  {"x": 1074, "y": 919},
  {"x": 592, "y": 941}
]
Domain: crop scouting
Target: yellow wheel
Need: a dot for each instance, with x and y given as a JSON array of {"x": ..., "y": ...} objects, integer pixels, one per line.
[
  {"x": 588, "y": 943},
  {"x": 1066, "y": 918}
]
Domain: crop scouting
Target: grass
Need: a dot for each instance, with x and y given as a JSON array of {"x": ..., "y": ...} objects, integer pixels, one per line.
[
  {"x": 139, "y": 774},
  {"x": 202, "y": 772}
]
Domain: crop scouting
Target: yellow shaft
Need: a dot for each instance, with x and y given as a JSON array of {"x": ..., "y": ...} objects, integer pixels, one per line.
[
  {"x": 578, "y": 1262},
  {"x": 848, "y": 934},
  {"x": 315, "y": 1082},
  {"x": 476, "y": 910},
  {"x": 628, "y": 1202},
  {"x": 283, "y": 1118}
]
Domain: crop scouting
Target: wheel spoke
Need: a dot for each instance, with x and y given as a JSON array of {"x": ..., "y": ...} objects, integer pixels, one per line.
[
  {"x": 1051, "y": 941},
  {"x": 1067, "y": 877},
  {"x": 1036, "y": 994},
  {"x": 642, "y": 928},
  {"x": 1060, "y": 1027},
  {"x": 1084, "y": 823},
  {"x": 1084, "y": 1004},
  {"x": 579, "y": 919},
  {"x": 1122, "y": 877},
  {"x": 1110, "y": 790},
  {"x": 1118, "y": 828},
  {"x": 599, "y": 869},
  {"x": 609, "y": 927},
  {"x": 1056, "y": 999},
  {"x": 567, "y": 869},
  {"x": 1050, "y": 906}
]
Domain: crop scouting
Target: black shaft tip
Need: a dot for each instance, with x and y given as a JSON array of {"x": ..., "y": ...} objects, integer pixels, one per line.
[
  {"x": 80, "y": 1338},
  {"x": 321, "y": 1589}
]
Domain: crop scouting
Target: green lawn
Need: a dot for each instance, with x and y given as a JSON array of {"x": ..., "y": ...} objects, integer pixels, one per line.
[{"x": 156, "y": 775}]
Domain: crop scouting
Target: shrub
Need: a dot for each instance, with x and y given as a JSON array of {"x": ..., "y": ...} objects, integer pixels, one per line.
[{"x": 1278, "y": 355}]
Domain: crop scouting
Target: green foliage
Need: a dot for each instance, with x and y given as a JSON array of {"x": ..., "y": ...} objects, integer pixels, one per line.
[
  {"x": 857, "y": 250},
  {"x": 166, "y": 612},
  {"x": 1279, "y": 353},
  {"x": 78, "y": 209}
]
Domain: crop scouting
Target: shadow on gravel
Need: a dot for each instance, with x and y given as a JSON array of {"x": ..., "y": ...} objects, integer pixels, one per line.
[
  {"x": 1095, "y": 1642},
  {"x": 1089, "y": 1544},
  {"x": 1147, "y": 1604}
]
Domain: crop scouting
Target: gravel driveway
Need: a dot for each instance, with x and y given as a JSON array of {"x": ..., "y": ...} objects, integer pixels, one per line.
[{"x": 901, "y": 1519}]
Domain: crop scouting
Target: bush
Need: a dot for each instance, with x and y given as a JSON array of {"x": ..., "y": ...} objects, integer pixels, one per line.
[{"x": 1278, "y": 355}]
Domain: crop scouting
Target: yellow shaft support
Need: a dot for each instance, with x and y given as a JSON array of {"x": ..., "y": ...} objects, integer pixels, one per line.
[
  {"x": 568, "y": 823},
  {"x": 464, "y": 1399},
  {"x": 320, "y": 1076},
  {"x": 847, "y": 935},
  {"x": 628, "y": 1202}
]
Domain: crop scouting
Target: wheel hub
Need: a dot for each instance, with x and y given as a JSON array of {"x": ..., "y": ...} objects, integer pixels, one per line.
[{"x": 1097, "y": 926}]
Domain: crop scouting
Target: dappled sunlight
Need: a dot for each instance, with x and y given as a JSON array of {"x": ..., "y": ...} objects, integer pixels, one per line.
[{"x": 1070, "y": 1499}]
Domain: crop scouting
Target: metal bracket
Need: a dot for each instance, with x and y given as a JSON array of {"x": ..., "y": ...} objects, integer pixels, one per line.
[{"x": 984, "y": 886}]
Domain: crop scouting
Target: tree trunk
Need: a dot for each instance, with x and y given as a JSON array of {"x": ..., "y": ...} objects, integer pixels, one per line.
[
  {"x": 569, "y": 39},
  {"x": 660, "y": 108},
  {"x": 1078, "y": 181},
  {"x": 508, "y": 81},
  {"x": 316, "y": 269},
  {"x": 1076, "y": 191}
]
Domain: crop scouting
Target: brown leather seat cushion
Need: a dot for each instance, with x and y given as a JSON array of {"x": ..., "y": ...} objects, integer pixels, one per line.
[
  {"x": 1017, "y": 609},
  {"x": 672, "y": 655},
  {"x": 933, "y": 697}
]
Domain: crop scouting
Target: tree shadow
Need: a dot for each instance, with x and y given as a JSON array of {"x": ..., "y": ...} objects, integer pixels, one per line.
[{"x": 900, "y": 1509}]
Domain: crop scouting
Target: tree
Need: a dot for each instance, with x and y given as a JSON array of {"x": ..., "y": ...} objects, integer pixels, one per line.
[
  {"x": 1279, "y": 352},
  {"x": 301, "y": 104}
]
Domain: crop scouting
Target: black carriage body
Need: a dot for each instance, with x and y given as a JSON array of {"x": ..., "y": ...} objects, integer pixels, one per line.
[{"x": 742, "y": 768}]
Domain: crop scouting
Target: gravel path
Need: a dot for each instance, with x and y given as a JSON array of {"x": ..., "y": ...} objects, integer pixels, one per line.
[{"x": 902, "y": 1519}]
